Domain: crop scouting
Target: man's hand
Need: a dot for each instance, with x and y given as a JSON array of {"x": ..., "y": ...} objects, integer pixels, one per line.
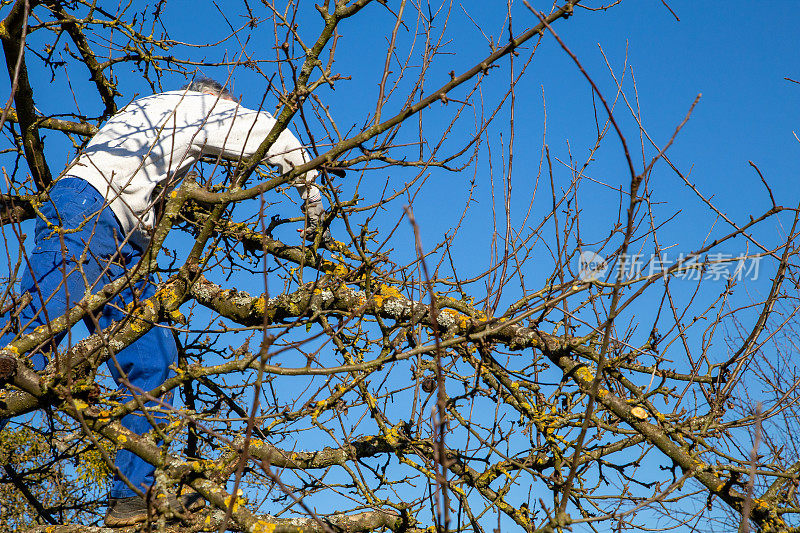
[{"x": 311, "y": 231}]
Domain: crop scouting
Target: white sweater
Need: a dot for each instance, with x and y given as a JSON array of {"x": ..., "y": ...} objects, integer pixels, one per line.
[{"x": 162, "y": 136}]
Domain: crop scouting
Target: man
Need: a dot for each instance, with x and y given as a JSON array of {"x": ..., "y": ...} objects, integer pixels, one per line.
[{"x": 105, "y": 201}]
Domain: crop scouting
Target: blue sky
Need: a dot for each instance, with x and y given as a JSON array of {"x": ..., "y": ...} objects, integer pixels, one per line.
[
  {"x": 735, "y": 58},
  {"x": 736, "y": 54}
]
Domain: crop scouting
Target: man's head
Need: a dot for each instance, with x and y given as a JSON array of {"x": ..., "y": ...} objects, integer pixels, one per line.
[{"x": 209, "y": 86}]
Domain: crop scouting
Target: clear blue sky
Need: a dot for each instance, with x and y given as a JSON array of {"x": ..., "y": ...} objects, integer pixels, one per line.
[
  {"x": 736, "y": 54},
  {"x": 737, "y": 57}
]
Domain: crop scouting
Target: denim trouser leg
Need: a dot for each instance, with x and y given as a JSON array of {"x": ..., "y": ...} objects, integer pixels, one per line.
[
  {"x": 146, "y": 363},
  {"x": 60, "y": 271}
]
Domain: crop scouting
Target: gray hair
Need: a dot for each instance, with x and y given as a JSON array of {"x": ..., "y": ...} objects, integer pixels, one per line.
[{"x": 204, "y": 84}]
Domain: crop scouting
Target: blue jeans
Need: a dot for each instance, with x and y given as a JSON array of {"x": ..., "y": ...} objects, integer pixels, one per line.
[{"x": 59, "y": 274}]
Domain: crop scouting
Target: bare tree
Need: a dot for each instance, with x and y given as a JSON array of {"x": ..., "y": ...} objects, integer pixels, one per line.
[{"x": 515, "y": 365}]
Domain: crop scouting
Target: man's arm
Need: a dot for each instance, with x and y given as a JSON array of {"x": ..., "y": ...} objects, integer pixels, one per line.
[{"x": 234, "y": 131}]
